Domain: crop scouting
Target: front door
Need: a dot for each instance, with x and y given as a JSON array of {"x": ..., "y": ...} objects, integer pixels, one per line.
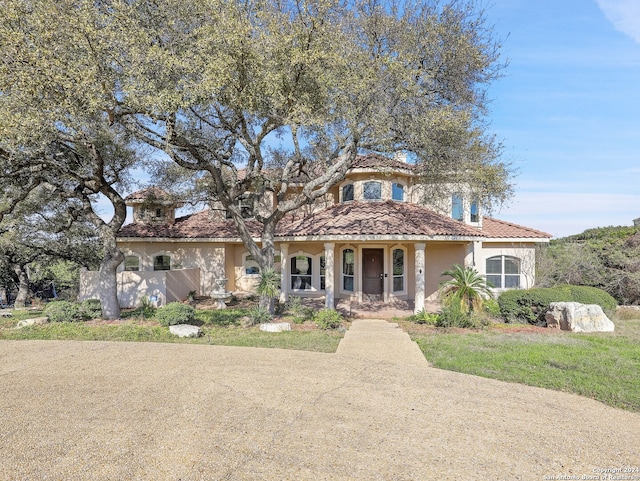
[{"x": 372, "y": 272}]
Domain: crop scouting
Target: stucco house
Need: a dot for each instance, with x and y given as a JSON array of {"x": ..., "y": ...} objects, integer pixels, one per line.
[{"x": 370, "y": 239}]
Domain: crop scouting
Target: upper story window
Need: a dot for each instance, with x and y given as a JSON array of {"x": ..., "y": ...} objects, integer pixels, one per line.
[
  {"x": 503, "y": 272},
  {"x": 131, "y": 263},
  {"x": 347, "y": 193},
  {"x": 475, "y": 216},
  {"x": 372, "y": 190},
  {"x": 457, "y": 211},
  {"x": 162, "y": 263},
  {"x": 397, "y": 191}
]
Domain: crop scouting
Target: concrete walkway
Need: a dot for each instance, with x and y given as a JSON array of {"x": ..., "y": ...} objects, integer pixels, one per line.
[{"x": 375, "y": 410}]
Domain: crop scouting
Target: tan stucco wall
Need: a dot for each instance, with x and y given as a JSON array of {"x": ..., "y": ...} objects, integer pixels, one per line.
[
  {"x": 440, "y": 257},
  {"x": 526, "y": 252}
]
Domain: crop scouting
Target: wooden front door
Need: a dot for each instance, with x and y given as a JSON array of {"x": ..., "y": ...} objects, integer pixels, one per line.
[{"x": 372, "y": 271}]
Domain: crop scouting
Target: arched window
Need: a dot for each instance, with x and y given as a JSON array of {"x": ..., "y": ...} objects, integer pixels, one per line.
[
  {"x": 372, "y": 190},
  {"x": 503, "y": 272},
  {"x": 348, "y": 269},
  {"x": 251, "y": 267},
  {"x": 457, "y": 211},
  {"x": 301, "y": 273},
  {"x": 397, "y": 191},
  {"x": 131, "y": 263},
  {"x": 162, "y": 263},
  {"x": 475, "y": 215},
  {"x": 398, "y": 270},
  {"x": 347, "y": 193}
]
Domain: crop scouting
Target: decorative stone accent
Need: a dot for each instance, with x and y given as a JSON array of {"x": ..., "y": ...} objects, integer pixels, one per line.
[
  {"x": 185, "y": 330},
  {"x": 576, "y": 317},
  {"x": 275, "y": 326},
  {"x": 32, "y": 322}
]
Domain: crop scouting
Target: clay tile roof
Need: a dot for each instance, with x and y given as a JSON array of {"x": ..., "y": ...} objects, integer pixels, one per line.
[
  {"x": 149, "y": 193},
  {"x": 375, "y": 218},
  {"x": 376, "y": 161},
  {"x": 498, "y": 228},
  {"x": 193, "y": 226}
]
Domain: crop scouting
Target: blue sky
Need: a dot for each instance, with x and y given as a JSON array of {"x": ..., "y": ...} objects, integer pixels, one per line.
[{"x": 568, "y": 111}]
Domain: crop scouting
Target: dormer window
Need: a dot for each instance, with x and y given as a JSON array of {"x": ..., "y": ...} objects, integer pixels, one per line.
[
  {"x": 347, "y": 193},
  {"x": 397, "y": 192},
  {"x": 372, "y": 190}
]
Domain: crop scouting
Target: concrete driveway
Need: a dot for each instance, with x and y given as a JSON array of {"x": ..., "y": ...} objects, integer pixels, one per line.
[{"x": 375, "y": 410}]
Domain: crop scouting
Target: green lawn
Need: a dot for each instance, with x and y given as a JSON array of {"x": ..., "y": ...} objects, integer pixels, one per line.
[
  {"x": 602, "y": 366},
  {"x": 138, "y": 330}
]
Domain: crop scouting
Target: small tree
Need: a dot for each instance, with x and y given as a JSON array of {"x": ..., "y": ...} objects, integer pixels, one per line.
[
  {"x": 268, "y": 288},
  {"x": 466, "y": 288}
]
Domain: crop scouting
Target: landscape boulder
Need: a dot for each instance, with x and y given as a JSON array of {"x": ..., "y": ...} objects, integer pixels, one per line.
[
  {"x": 185, "y": 330},
  {"x": 275, "y": 326},
  {"x": 32, "y": 322},
  {"x": 576, "y": 317}
]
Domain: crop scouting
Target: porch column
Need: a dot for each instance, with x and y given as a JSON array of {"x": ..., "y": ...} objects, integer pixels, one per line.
[
  {"x": 329, "y": 275},
  {"x": 284, "y": 267},
  {"x": 420, "y": 285},
  {"x": 471, "y": 254}
]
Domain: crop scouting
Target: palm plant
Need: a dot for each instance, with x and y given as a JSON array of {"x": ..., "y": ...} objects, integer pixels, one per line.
[
  {"x": 268, "y": 288},
  {"x": 466, "y": 288}
]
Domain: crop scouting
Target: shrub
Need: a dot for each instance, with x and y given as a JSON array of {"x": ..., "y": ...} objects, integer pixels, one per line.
[
  {"x": 424, "y": 317},
  {"x": 63, "y": 311},
  {"x": 221, "y": 317},
  {"x": 492, "y": 307},
  {"x": 295, "y": 308},
  {"x": 453, "y": 315},
  {"x": 91, "y": 309},
  {"x": 327, "y": 319},
  {"x": 258, "y": 315},
  {"x": 175, "y": 313},
  {"x": 530, "y": 305}
]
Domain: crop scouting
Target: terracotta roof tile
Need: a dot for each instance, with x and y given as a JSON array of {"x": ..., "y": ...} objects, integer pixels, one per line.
[
  {"x": 149, "y": 193},
  {"x": 375, "y": 218},
  {"x": 498, "y": 228},
  {"x": 376, "y": 161}
]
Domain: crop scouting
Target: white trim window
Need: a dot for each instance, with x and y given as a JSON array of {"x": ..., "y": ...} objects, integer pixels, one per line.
[
  {"x": 348, "y": 269},
  {"x": 474, "y": 211},
  {"x": 457, "y": 207},
  {"x": 301, "y": 272},
  {"x": 250, "y": 265},
  {"x": 398, "y": 269},
  {"x": 131, "y": 263},
  {"x": 503, "y": 272}
]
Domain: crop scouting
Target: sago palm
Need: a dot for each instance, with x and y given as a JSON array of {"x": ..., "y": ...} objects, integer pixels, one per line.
[{"x": 466, "y": 287}]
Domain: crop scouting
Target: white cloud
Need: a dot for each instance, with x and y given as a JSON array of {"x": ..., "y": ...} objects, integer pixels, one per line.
[{"x": 624, "y": 15}]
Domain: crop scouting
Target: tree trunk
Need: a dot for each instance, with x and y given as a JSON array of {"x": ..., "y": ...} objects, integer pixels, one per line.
[
  {"x": 108, "y": 280},
  {"x": 23, "y": 286}
]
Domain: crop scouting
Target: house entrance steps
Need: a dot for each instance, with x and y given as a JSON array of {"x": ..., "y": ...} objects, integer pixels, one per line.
[{"x": 379, "y": 340}]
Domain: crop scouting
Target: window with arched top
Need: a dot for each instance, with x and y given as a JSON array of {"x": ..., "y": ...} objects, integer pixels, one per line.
[
  {"x": 503, "y": 272},
  {"x": 348, "y": 270},
  {"x": 397, "y": 192},
  {"x": 372, "y": 190},
  {"x": 474, "y": 211},
  {"x": 398, "y": 270},
  {"x": 301, "y": 272},
  {"x": 162, "y": 263},
  {"x": 457, "y": 211},
  {"x": 348, "y": 193},
  {"x": 131, "y": 263}
]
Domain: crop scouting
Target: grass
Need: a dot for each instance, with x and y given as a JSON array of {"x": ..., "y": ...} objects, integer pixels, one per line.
[
  {"x": 219, "y": 328},
  {"x": 602, "y": 366}
]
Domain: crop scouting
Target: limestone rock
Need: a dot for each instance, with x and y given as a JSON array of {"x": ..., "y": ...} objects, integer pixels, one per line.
[
  {"x": 32, "y": 322},
  {"x": 576, "y": 317},
  {"x": 185, "y": 330},
  {"x": 275, "y": 326}
]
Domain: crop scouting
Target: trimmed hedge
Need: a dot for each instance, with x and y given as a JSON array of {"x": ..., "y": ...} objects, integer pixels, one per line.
[{"x": 530, "y": 305}]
